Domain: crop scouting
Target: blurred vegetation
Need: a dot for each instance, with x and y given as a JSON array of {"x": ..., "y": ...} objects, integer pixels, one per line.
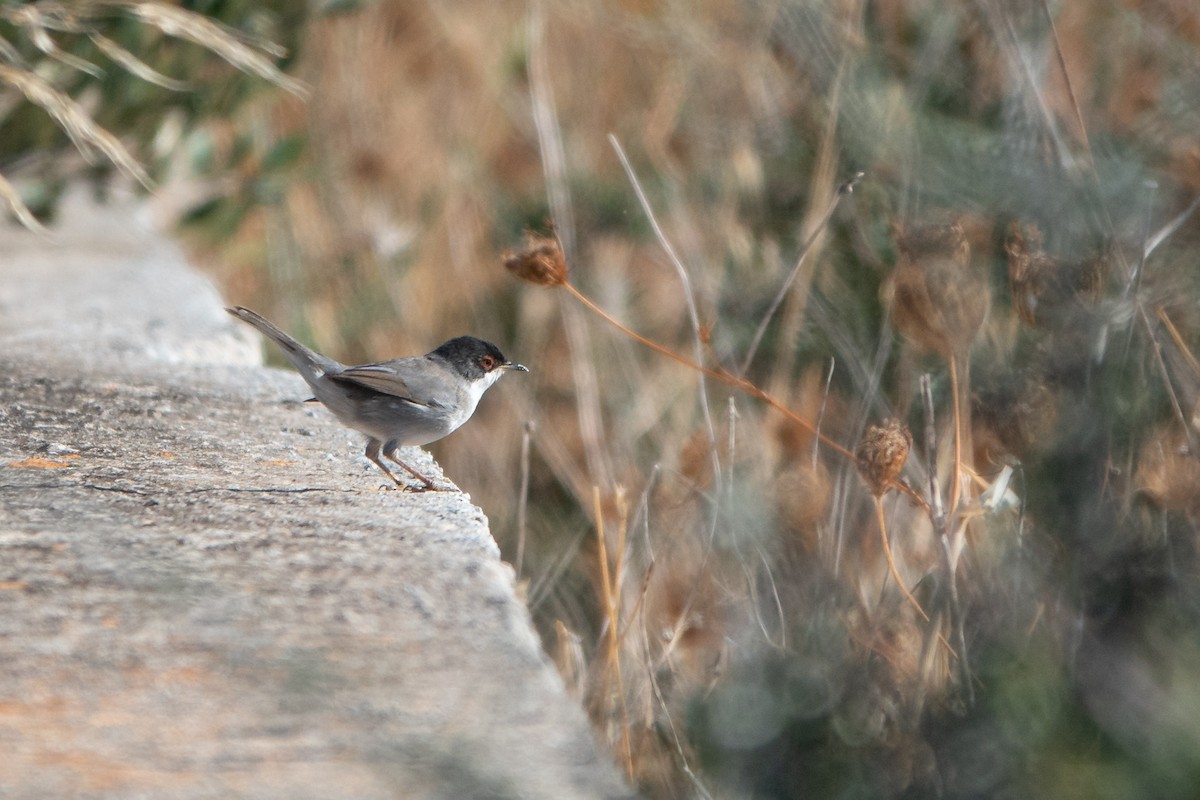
[
  {"x": 97, "y": 86},
  {"x": 1021, "y": 250},
  {"x": 747, "y": 637}
]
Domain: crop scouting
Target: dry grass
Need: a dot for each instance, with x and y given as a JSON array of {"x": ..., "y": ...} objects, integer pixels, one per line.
[
  {"x": 48, "y": 80},
  {"x": 716, "y": 323}
]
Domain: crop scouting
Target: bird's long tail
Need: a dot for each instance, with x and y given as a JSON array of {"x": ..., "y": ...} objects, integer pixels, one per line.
[{"x": 308, "y": 362}]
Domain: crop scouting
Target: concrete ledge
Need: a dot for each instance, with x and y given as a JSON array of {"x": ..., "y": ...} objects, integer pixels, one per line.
[{"x": 206, "y": 592}]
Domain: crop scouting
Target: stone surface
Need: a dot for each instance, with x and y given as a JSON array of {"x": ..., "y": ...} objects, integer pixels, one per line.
[{"x": 206, "y": 591}]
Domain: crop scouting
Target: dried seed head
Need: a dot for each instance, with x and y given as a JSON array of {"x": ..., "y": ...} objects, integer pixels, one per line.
[
  {"x": 1028, "y": 267},
  {"x": 541, "y": 262},
  {"x": 881, "y": 454},
  {"x": 1041, "y": 283},
  {"x": 937, "y": 298}
]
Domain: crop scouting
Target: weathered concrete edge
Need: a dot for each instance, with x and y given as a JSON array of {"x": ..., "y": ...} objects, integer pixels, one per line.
[{"x": 155, "y": 331}]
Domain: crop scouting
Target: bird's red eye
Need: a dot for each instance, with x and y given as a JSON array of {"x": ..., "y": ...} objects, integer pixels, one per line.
[{"x": 487, "y": 362}]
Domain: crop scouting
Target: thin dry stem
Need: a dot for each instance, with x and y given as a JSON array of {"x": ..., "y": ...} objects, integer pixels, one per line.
[
  {"x": 643, "y": 513},
  {"x": 688, "y": 296},
  {"x": 721, "y": 375},
  {"x": 955, "y": 488},
  {"x": 198, "y": 29},
  {"x": 16, "y": 205},
  {"x": 1062, "y": 65},
  {"x": 611, "y": 611},
  {"x": 1184, "y": 350},
  {"x": 651, "y": 669},
  {"x": 843, "y": 190},
  {"x": 35, "y": 21},
  {"x": 640, "y": 603},
  {"x": 622, "y": 536},
  {"x": 34, "y": 24},
  {"x": 821, "y": 183},
  {"x": 523, "y": 497},
  {"x": 1161, "y": 364},
  {"x": 135, "y": 66},
  {"x": 821, "y": 410},
  {"x": 554, "y": 169},
  {"x": 84, "y": 132},
  {"x": 1168, "y": 230},
  {"x": 549, "y": 132},
  {"x": 950, "y": 553},
  {"x": 887, "y": 552}
]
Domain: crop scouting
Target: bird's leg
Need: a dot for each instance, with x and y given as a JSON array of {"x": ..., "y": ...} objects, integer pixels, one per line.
[
  {"x": 390, "y": 452},
  {"x": 372, "y": 455}
]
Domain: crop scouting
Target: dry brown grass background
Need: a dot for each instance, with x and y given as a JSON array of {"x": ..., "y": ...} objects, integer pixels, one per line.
[{"x": 735, "y": 629}]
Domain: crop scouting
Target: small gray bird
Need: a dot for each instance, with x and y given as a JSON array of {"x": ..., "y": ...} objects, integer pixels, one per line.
[{"x": 405, "y": 401}]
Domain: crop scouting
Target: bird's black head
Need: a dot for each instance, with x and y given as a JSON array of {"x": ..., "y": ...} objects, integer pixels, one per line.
[{"x": 474, "y": 358}]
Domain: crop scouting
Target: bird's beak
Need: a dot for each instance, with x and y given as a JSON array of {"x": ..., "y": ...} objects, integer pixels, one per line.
[{"x": 508, "y": 365}]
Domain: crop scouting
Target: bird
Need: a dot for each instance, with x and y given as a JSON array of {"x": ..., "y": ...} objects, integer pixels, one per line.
[{"x": 402, "y": 402}]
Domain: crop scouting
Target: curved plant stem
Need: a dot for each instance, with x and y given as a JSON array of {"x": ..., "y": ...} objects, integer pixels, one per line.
[
  {"x": 887, "y": 552},
  {"x": 717, "y": 374},
  {"x": 955, "y": 489}
]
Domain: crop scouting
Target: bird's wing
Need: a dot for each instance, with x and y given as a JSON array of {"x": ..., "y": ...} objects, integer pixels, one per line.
[
  {"x": 380, "y": 377},
  {"x": 425, "y": 383}
]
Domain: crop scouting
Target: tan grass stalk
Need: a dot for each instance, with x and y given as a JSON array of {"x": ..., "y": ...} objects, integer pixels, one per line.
[
  {"x": 640, "y": 603},
  {"x": 721, "y": 375},
  {"x": 955, "y": 488},
  {"x": 613, "y": 616},
  {"x": 1168, "y": 230},
  {"x": 588, "y": 406},
  {"x": 822, "y": 186},
  {"x": 643, "y": 513},
  {"x": 523, "y": 497},
  {"x": 844, "y": 189},
  {"x": 891, "y": 562},
  {"x": 651, "y": 669},
  {"x": 1161, "y": 364},
  {"x": 1062, "y": 66},
  {"x": 951, "y": 543},
  {"x": 225, "y": 43},
  {"x": 688, "y": 296},
  {"x": 83, "y": 131},
  {"x": 622, "y": 538},
  {"x": 12, "y": 198},
  {"x": 33, "y": 23},
  {"x": 135, "y": 66},
  {"x": 1184, "y": 350},
  {"x": 549, "y": 131}
]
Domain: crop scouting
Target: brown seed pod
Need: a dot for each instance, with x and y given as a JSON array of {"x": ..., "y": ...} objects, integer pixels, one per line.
[
  {"x": 937, "y": 298},
  {"x": 541, "y": 262},
  {"x": 881, "y": 454},
  {"x": 1043, "y": 285},
  {"x": 1028, "y": 269}
]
